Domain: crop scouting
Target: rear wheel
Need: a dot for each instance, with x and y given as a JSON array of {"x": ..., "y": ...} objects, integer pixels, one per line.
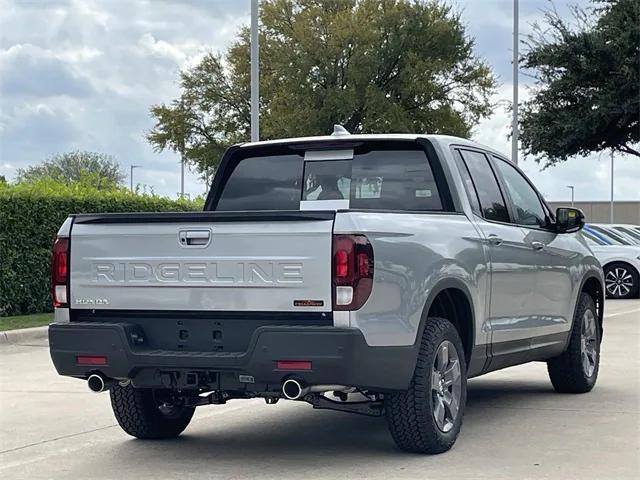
[
  {"x": 621, "y": 280},
  {"x": 576, "y": 370},
  {"x": 149, "y": 414},
  {"x": 427, "y": 417}
]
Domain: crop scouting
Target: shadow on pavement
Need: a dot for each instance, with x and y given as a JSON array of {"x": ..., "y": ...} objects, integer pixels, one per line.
[{"x": 309, "y": 436}]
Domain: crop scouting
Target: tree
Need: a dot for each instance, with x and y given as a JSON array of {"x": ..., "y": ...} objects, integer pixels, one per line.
[
  {"x": 587, "y": 93},
  {"x": 370, "y": 65},
  {"x": 90, "y": 168}
]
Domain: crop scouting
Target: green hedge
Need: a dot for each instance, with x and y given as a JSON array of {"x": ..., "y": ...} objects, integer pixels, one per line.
[{"x": 30, "y": 216}]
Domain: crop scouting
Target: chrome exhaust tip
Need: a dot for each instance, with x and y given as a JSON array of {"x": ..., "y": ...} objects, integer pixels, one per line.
[
  {"x": 96, "y": 383},
  {"x": 292, "y": 389}
]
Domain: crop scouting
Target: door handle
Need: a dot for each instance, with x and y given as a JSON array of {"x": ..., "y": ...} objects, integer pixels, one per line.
[
  {"x": 537, "y": 245},
  {"x": 494, "y": 240},
  {"x": 194, "y": 238}
]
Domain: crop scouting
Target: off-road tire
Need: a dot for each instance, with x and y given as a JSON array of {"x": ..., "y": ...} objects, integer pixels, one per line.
[
  {"x": 410, "y": 413},
  {"x": 137, "y": 413},
  {"x": 566, "y": 371}
]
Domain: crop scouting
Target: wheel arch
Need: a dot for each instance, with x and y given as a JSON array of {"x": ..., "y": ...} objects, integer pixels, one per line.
[
  {"x": 620, "y": 260},
  {"x": 593, "y": 285},
  {"x": 450, "y": 298}
]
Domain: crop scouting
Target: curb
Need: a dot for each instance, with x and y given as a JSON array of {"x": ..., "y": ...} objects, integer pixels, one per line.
[{"x": 24, "y": 335}]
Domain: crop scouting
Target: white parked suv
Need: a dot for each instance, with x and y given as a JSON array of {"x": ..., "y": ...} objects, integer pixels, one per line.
[
  {"x": 621, "y": 265},
  {"x": 371, "y": 274}
]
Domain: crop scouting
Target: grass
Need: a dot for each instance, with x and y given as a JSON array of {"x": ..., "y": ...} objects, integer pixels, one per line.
[{"x": 25, "y": 321}]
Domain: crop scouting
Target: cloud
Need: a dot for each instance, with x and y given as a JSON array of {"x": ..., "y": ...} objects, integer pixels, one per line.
[
  {"x": 82, "y": 74},
  {"x": 30, "y": 71},
  {"x": 161, "y": 49},
  {"x": 490, "y": 23},
  {"x": 36, "y": 130},
  {"x": 590, "y": 175}
]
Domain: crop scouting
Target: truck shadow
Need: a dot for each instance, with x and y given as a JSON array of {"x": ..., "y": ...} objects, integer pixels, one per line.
[{"x": 297, "y": 436}]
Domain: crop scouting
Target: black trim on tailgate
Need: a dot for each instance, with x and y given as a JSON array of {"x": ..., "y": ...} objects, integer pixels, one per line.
[
  {"x": 100, "y": 315},
  {"x": 187, "y": 217}
]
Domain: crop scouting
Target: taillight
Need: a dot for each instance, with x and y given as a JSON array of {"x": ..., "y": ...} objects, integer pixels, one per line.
[
  {"x": 352, "y": 271},
  {"x": 60, "y": 273}
]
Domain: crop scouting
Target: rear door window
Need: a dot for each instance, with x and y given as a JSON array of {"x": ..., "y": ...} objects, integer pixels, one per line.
[
  {"x": 472, "y": 195},
  {"x": 492, "y": 203}
]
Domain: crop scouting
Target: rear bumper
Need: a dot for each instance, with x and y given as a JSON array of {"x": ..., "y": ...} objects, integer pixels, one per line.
[{"x": 338, "y": 355}]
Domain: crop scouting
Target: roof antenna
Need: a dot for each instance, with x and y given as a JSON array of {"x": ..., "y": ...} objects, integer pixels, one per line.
[{"x": 339, "y": 130}]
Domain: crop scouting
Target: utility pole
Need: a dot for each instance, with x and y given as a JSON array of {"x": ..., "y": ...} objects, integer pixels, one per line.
[
  {"x": 131, "y": 175},
  {"x": 611, "y": 202},
  {"x": 255, "y": 72},
  {"x": 514, "y": 121},
  {"x": 572, "y": 189}
]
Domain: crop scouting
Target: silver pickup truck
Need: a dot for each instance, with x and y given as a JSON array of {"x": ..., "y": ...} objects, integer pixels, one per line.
[{"x": 371, "y": 274}]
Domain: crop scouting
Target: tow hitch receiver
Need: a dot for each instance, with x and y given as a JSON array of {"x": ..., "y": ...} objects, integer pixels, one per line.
[{"x": 213, "y": 398}]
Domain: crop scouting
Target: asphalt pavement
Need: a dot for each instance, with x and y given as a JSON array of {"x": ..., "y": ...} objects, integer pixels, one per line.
[{"x": 515, "y": 426}]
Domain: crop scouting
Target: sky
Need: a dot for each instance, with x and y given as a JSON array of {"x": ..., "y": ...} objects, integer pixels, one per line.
[{"x": 82, "y": 74}]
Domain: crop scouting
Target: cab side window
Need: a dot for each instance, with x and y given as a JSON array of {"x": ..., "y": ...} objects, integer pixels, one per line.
[
  {"x": 489, "y": 196},
  {"x": 468, "y": 184},
  {"x": 527, "y": 206}
]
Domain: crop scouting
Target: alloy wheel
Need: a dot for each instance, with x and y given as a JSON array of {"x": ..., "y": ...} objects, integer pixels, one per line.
[
  {"x": 588, "y": 343},
  {"x": 618, "y": 282},
  {"x": 446, "y": 386}
]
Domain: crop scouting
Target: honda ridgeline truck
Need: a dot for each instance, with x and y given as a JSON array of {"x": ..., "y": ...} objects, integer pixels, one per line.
[{"x": 371, "y": 274}]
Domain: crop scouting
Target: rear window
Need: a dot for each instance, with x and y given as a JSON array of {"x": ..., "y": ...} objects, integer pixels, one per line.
[
  {"x": 264, "y": 183},
  {"x": 380, "y": 179}
]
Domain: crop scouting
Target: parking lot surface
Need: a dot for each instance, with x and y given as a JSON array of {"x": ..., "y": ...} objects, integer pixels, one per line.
[{"x": 515, "y": 426}]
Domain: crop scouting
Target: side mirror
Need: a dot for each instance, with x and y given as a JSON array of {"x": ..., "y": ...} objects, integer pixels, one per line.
[{"x": 569, "y": 220}]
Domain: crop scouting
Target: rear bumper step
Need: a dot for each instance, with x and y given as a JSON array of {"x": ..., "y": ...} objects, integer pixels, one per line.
[{"x": 338, "y": 356}]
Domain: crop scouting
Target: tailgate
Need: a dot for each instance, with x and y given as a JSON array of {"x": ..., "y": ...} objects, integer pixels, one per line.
[{"x": 202, "y": 262}]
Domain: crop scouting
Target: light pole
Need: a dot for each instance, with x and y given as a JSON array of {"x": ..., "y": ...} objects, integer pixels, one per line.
[
  {"x": 131, "y": 175},
  {"x": 255, "y": 93},
  {"x": 572, "y": 189},
  {"x": 514, "y": 121},
  {"x": 611, "y": 202}
]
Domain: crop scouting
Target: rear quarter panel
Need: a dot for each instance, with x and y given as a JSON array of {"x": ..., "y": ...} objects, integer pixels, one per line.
[{"x": 413, "y": 252}]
